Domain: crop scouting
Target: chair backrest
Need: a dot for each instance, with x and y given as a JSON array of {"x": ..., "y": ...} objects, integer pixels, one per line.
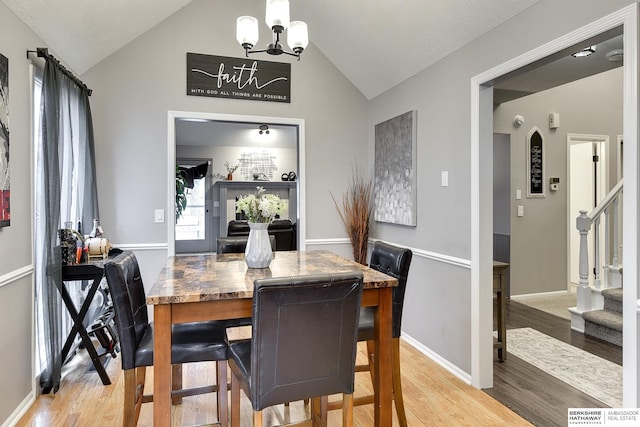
[
  {"x": 304, "y": 337},
  {"x": 395, "y": 262},
  {"x": 237, "y": 244},
  {"x": 238, "y": 227},
  {"x": 283, "y": 229},
  {"x": 129, "y": 303}
]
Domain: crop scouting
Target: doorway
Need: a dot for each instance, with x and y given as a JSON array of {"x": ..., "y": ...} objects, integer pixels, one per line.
[
  {"x": 194, "y": 226},
  {"x": 174, "y": 116},
  {"x": 481, "y": 182},
  {"x": 587, "y": 175}
]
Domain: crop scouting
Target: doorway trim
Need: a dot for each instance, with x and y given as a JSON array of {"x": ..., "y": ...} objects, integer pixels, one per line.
[
  {"x": 171, "y": 161},
  {"x": 603, "y": 184},
  {"x": 482, "y": 200}
]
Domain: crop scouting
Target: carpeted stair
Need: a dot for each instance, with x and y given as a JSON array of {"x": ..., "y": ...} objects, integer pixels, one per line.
[{"x": 606, "y": 324}]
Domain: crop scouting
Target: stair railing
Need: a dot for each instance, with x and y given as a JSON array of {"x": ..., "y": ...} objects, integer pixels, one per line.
[{"x": 608, "y": 206}]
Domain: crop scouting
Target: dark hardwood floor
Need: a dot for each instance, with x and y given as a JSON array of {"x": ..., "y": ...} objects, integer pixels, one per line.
[{"x": 533, "y": 394}]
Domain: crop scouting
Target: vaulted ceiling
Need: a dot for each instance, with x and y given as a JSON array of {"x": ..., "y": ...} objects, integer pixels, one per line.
[{"x": 375, "y": 44}]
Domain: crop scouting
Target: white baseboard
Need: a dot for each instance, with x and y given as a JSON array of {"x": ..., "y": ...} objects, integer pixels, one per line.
[
  {"x": 20, "y": 410},
  {"x": 453, "y": 369}
]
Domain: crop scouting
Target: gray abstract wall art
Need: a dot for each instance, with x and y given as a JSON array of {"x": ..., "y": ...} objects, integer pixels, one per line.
[{"x": 395, "y": 170}]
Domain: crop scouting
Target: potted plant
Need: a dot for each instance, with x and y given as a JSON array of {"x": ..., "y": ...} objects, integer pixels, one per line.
[
  {"x": 230, "y": 170},
  {"x": 356, "y": 213},
  {"x": 181, "y": 193}
]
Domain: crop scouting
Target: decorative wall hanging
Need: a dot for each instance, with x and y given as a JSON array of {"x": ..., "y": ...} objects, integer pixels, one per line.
[
  {"x": 535, "y": 163},
  {"x": 258, "y": 166},
  {"x": 5, "y": 213},
  {"x": 395, "y": 170},
  {"x": 238, "y": 78}
]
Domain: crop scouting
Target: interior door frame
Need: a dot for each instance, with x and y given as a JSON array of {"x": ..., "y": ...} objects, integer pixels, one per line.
[
  {"x": 481, "y": 198},
  {"x": 603, "y": 180},
  {"x": 187, "y": 245},
  {"x": 171, "y": 161}
]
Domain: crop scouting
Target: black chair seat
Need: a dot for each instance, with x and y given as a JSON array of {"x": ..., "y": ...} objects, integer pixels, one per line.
[
  {"x": 365, "y": 324},
  {"x": 241, "y": 352},
  {"x": 190, "y": 342}
]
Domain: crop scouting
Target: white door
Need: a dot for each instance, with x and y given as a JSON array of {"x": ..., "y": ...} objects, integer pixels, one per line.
[
  {"x": 193, "y": 228},
  {"x": 587, "y": 185}
]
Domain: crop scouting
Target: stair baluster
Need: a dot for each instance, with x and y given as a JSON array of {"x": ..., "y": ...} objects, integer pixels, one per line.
[
  {"x": 596, "y": 253},
  {"x": 614, "y": 243}
]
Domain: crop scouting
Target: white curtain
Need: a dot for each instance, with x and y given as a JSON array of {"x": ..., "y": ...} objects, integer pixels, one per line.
[{"x": 65, "y": 192}]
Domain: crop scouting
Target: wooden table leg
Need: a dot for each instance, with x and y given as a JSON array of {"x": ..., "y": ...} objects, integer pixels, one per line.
[
  {"x": 384, "y": 358},
  {"x": 162, "y": 365}
]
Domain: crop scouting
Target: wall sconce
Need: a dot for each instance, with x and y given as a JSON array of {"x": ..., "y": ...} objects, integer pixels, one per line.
[{"x": 264, "y": 129}]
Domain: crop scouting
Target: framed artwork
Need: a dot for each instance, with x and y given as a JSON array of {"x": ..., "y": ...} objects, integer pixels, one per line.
[
  {"x": 395, "y": 170},
  {"x": 535, "y": 163},
  {"x": 238, "y": 78},
  {"x": 5, "y": 213}
]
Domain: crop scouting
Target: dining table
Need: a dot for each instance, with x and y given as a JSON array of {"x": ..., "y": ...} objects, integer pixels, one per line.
[{"x": 192, "y": 288}]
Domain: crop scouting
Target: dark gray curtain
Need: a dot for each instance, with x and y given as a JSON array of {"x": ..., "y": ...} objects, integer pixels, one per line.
[{"x": 66, "y": 190}]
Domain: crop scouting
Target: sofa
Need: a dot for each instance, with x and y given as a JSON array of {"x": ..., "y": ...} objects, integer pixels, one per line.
[{"x": 283, "y": 230}]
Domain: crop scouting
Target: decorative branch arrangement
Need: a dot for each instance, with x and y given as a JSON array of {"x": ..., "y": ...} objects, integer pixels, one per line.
[{"x": 356, "y": 213}]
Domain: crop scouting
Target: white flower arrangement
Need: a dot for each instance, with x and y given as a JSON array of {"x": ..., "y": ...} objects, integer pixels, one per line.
[{"x": 261, "y": 207}]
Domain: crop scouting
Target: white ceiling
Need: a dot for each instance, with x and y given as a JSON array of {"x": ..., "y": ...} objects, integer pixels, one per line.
[{"x": 375, "y": 44}]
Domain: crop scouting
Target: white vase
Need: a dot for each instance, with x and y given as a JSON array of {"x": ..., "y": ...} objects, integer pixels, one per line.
[{"x": 258, "y": 252}]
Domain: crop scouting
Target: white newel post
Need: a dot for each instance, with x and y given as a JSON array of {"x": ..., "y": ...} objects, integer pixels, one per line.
[
  {"x": 583, "y": 224},
  {"x": 596, "y": 254}
]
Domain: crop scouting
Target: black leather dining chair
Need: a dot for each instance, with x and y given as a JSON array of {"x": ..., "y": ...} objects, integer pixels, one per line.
[
  {"x": 237, "y": 244},
  {"x": 190, "y": 342},
  {"x": 393, "y": 261},
  {"x": 303, "y": 345}
]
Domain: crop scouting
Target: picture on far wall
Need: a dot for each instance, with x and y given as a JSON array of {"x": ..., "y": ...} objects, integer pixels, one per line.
[
  {"x": 535, "y": 163},
  {"x": 395, "y": 170},
  {"x": 5, "y": 216}
]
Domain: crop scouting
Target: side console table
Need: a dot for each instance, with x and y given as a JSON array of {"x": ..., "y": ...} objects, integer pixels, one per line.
[{"x": 93, "y": 272}]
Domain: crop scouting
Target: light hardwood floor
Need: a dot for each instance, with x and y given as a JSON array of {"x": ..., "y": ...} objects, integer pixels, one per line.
[{"x": 433, "y": 397}]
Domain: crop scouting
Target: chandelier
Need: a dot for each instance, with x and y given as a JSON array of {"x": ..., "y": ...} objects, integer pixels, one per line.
[{"x": 277, "y": 18}]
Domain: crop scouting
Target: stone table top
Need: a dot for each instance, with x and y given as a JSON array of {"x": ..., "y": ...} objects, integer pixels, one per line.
[{"x": 211, "y": 277}]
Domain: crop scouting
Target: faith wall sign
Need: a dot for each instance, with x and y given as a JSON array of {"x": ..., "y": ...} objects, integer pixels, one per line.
[{"x": 238, "y": 78}]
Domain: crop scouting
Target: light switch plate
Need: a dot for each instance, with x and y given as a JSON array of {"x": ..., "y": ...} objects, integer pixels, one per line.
[
  {"x": 159, "y": 216},
  {"x": 445, "y": 178},
  {"x": 520, "y": 210}
]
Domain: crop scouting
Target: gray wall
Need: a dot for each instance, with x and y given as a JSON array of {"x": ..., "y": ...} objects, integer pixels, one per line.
[
  {"x": 15, "y": 241},
  {"x": 588, "y": 106},
  {"x": 441, "y": 95},
  {"x": 501, "y": 183}
]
